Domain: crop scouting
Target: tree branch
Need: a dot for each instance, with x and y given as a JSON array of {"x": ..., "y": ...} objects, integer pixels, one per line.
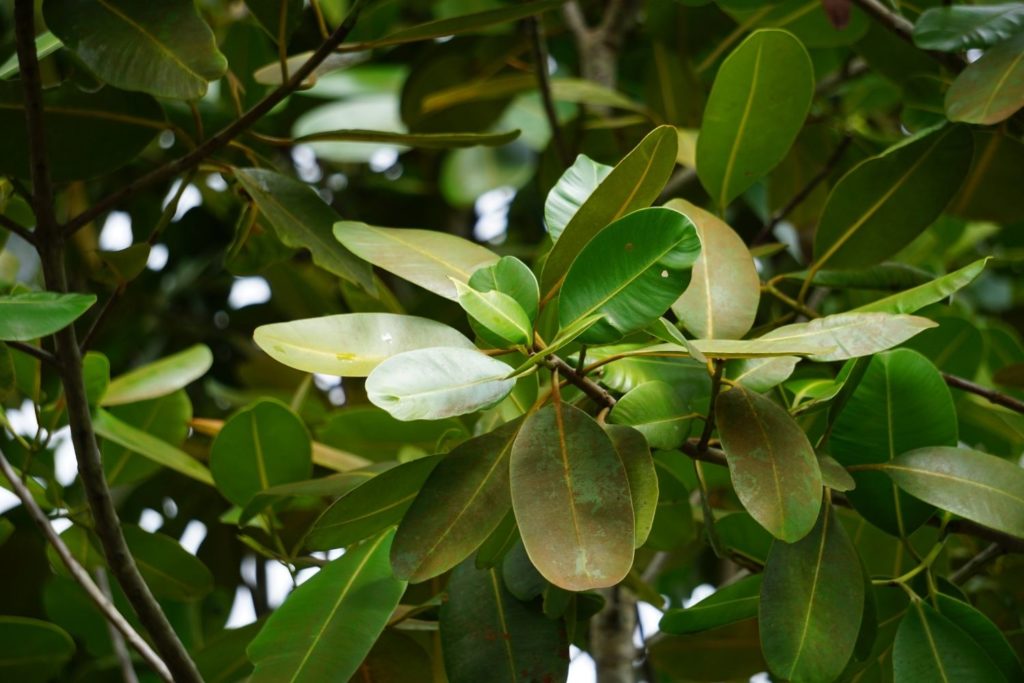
[
  {"x": 993, "y": 396},
  {"x": 977, "y": 563},
  {"x": 226, "y": 135},
  {"x": 540, "y": 67},
  {"x": 588, "y": 386},
  {"x": 18, "y": 230},
  {"x": 124, "y": 658},
  {"x": 79, "y": 574},
  {"x": 35, "y": 352},
  {"x": 50, "y": 245}
]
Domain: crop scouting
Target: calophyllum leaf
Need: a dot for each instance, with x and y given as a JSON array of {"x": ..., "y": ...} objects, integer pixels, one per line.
[
  {"x": 570, "y": 192},
  {"x": 159, "y": 378},
  {"x": 30, "y": 315}
]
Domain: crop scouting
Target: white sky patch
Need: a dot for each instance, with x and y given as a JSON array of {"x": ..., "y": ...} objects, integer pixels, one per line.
[
  {"x": 242, "y": 612},
  {"x": 117, "y": 232},
  {"x": 151, "y": 520},
  {"x": 699, "y": 593},
  {"x": 158, "y": 255},
  {"x": 383, "y": 159},
  {"x": 248, "y": 291},
  {"x": 65, "y": 464},
  {"x": 190, "y": 199},
  {"x": 306, "y": 166},
  {"x": 492, "y": 214},
  {"x": 581, "y": 666},
  {"x": 216, "y": 182},
  {"x": 61, "y": 525},
  {"x": 8, "y": 500},
  {"x": 974, "y": 54},
  {"x": 279, "y": 583},
  {"x": 193, "y": 536}
]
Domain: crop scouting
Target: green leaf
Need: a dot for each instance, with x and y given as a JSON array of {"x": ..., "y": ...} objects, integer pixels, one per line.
[
  {"x": 772, "y": 464},
  {"x": 761, "y": 374},
  {"x": 418, "y": 140},
  {"x": 626, "y": 374},
  {"x": 900, "y": 404},
  {"x": 512, "y": 277},
  {"x": 32, "y": 651},
  {"x": 727, "y": 653},
  {"x": 302, "y": 220},
  {"x": 165, "y": 419},
  {"x": 758, "y": 104},
  {"x": 8, "y": 380},
  {"x": 727, "y": 605},
  {"x": 570, "y": 493},
  {"x": 170, "y": 571},
  {"x": 631, "y": 272},
  {"x": 149, "y": 446},
  {"x": 636, "y": 458},
  {"x": 372, "y": 507},
  {"x": 986, "y": 634},
  {"x": 331, "y": 486},
  {"x": 913, "y": 300},
  {"x": 165, "y": 50},
  {"x": 372, "y": 433},
  {"x": 886, "y": 201},
  {"x": 280, "y": 18},
  {"x": 658, "y": 411},
  {"x": 960, "y": 27},
  {"x": 439, "y": 382},
  {"x": 633, "y": 184},
  {"x": 352, "y": 344},
  {"x": 87, "y": 133},
  {"x": 426, "y": 258},
  {"x": 462, "y": 502},
  {"x": 991, "y": 89},
  {"x": 46, "y": 45},
  {"x": 262, "y": 445},
  {"x": 498, "y": 313},
  {"x": 849, "y": 335},
  {"x": 489, "y": 635},
  {"x": 159, "y": 378},
  {"x": 725, "y": 308},
  {"x": 31, "y": 315},
  {"x": 929, "y": 647},
  {"x": 834, "y": 475},
  {"x": 673, "y": 519},
  {"x": 975, "y": 485},
  {"x": 327, "y": 626},
  {"x": 812, "y": 602},
  {"x": 222, "y": 656},
  {"x": 571, "y": 191}
]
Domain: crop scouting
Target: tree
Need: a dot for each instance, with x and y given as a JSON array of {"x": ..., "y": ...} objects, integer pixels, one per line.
[{"x": 682, "y": 293}]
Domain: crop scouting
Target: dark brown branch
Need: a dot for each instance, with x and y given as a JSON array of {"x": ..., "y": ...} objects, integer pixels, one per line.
[
  {"x": 226, "y": 135},
  {"x": 540, "y": 67},
  {"x": 35, "y": 352},
  {"x": 709, "y": 422},
  {"x": 17, "y": 229},
  {"x": 588, "y": 386},
  {"x": 50, "y": 245},
  {"x": 991, "y": 395},
  {"x": 79, "y": 574},
  {"x": 905, "y": 30},
  {"x": 977, "y": 563},
  {"x": 124, "y": 658}
]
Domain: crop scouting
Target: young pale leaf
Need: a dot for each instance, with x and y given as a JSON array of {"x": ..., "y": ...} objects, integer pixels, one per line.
[
  {"x": 758, "y": 104},
  {"x": 772, "y": 464},
  {"x": 991, "y": 89},
  {"x": 900, "y": 404},
  {"x": 761, "y": 374},
  {"x": 960, "y": 27},
  {"x": 570, "y": 493},
  {"x": 512, "y": 277},
  {"x": 149, "y": 446},
  {"x": 328, "y": 624},
  {"x": 30, "y": 315},
  {"x": 31, "y": 650},
  {"x": 496, "y": 312},
  {"x": 260, "y": 446},
  {"x": 330, "y": 486},
  {"x": 972, "y": 484},
  {"x": 929, "y": 293},
  {"x": 439, "y": 382},
  {"x": 460, "y": 505},
  {"x": 371, "y": 507},
  {"x": 850, "y": 335},
  {"x": 631, "y": 272},
  {"x": 163, "y": 49},
  {"x": 352, "y": 344},
  {"x": 886, "y": 201},
  {"x": 426, "y": 258},
  {"x": 489, "y": 635},
  {"x": 571, "y": 191},
  {"x": 658, "y": 411},
  {"x": 636, "y": 458},
  {"x": 727, "y": 605},
  {"x": 633, "y": 184},
  {"x": 812, "y": 603},
  {"x": 302, "y": 220},
  {"x": 929, "y": 647},
  {"x": 986, "y": 634},
  {"x": 159, "y": 378},
  {"x": 724, "y": 308},
  {"x": 171, "y": 572}
]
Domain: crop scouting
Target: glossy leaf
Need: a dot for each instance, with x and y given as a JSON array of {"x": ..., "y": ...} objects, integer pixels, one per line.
[
  {"x": 758, "y": 104},
  {"x": 630, "y": 273},
  {"x": 424, "y": 257},
  {"x": 498, "y": 313},
  {"x": 727, "y": 605},
  {"x": 462, "y": 502},
  {"x": 986, "y": 634},
  {"x": 165, "y": 419},
  {"x": 635, "y": 455},
  {"x": 972, "y": 484},
  {"x": 330, "y": 486},
  {"x": 886, "y": 201},
  {"x": 725, "y": 308},
  {"x": 439, "y": 382},
  {"x": 260, "y": 446},
  {"x": 658, "y": 411},
  {"x": 349, "y": 601},
  {"x": 959, "y": 27},
  {"x": 159, "y": 378},
  {"x": 991, "y": 89},
  {"x": 929, "y": 647},
  {"x": 31, "y": 315},
  {"x": 149, "y": 446},
  {"x": 171, "y": 572},
  {"x": 673, "y": 525},
  {"x": 487, "y": 634},
  {"x": 372, "y": 433},
  {"x": 633, "y": 184},
  {"x": 165, "y": 50},
  {"x": 302, "y": 220},
  {"x": 46, "y": 45},
  {"x": 812, "y": 601},
  {"x": 851, "y": 335},
  {"x": 352, "y": 344},
  {"x": 913, "y": 300},
  {"x": 512, "y": 277},
  {"x": 761, "y": 374},
  {"x": 772, "y": 464},
  {"x": 570, "y": 493},
  {"x": 900, "y": 404},
  {"x": 32, "y": 650},
  {"x": 371, "y": 507},
  {"x": 575, "y": 186}
]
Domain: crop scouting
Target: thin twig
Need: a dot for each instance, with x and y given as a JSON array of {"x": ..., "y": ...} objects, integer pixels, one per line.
[
  {"x": 18, "y": 230},
  {"x": 35, "y": 352},
  {"x": 226, "y": 135},
  {"x": 588, "y": 386},
  {"x": 79, "y": 574},
  {"x": 993, "y": 396},
  {"x": 977, "y": 563},
  {"x": 540, "y": 67},
  {"x": 124, "y": 658}
]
